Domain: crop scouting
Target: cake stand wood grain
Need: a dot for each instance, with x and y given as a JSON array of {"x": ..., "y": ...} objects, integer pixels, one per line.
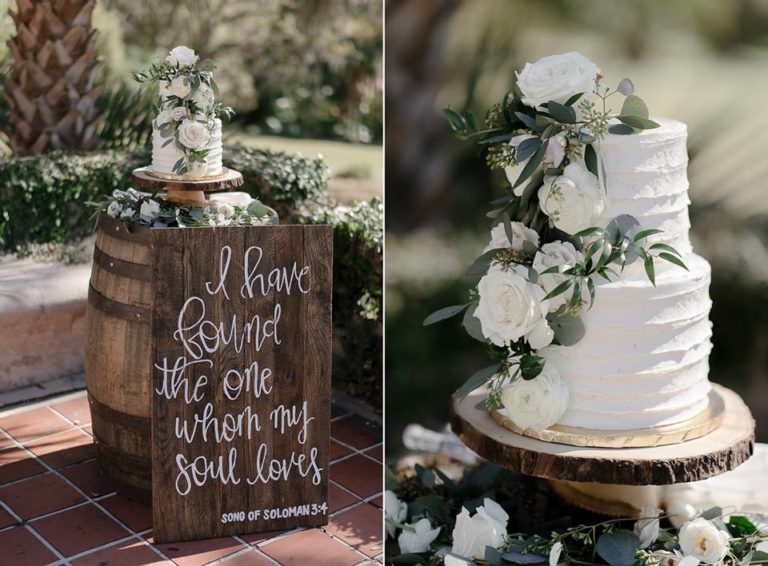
[
  {"x": 715, "y": 453},
  {"x": 186, "y": 191}
]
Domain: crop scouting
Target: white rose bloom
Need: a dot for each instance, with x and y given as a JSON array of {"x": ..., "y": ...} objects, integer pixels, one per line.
[
  {"x": 555, "y": 152},
  {"x": 536, "y": 403},
  {"x": 194, "y": 135},
  {"x": 394, "y": 510},
  {"x": 420, "y": 540},
  {"x": 225, "y": 210},
  {"x": 704, "y": 541},
  {"x": 487, "y": 527},
  {"x": 163, "y": 117},
  {"x": 178, "y": 113},
  {"x": 113, "y": 209},
  {"x": 520, "y": 232},
  {"x": 149, "y": 211},
  {"x": 556, "y": 77},
  {"x": 203, "y": 98},
  {"x": 513, "y": 171},
  {"x": 573, "y": 200},
  {"x": 554, "y": 553},
  {"x": 511, "y": 307},
  {"x": 180, "y": 87},
  {"x": 182, "y": 56},
  {"x": 647, "y": 528},
  {"x": 550, "y": 255},
  {"x": 680, "y": 512}
]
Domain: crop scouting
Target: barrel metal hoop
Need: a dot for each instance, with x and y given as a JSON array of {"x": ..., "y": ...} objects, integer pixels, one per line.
[
  {"x": 132, "y": 423},
  {"x": 121, "y": 267},
  {"x": 123, "y": 231},
  {"x": 118, "y": 310}
]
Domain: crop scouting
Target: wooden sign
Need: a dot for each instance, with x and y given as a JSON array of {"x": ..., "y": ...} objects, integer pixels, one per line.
[{"x": 241, "y": 379}]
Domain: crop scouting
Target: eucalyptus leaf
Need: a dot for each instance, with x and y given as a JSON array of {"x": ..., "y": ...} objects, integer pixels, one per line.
[
  {"x": 626, "y": 87},
  {"x": 497, "y": 139},
  {"x": 526, "y": 149},
  {"x": 673, "y": 259},
  {"x": 621, "y": 129},
  {"x": 638, "y": 123},
  {"x": 520, "y": 558},
  {"x": 492, "y": 556},
  {"x": 634, "y": 106},
  {"x": 472, "y": 324},
  {"x": 561, "y": 113},
  {"x": 590, "y": 159},
  {"x": 444, "y": 313},
  {"x": 574, "y": 98},
  {"x": 621, "y": 226},
  {"x": 529, "y": 122},
  {"x": 645, "y": 233},
  {"x": 532, "y": 165},
  {"x": 618, "y": 548},
  {"x": 568, "y": 329},
  {"x": 410, "y": 559},
  {"x": 426, "y": 477},
  {"x": 477, "y": 379}
]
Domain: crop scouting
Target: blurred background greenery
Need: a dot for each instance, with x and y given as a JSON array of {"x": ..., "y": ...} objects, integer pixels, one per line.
[{"x": 700, "y": 61}]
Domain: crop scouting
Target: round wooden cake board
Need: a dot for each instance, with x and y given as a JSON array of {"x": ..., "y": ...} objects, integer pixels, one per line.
[
  {"x": 726, "y": 447},
  {"x": 182, "y": 191}
]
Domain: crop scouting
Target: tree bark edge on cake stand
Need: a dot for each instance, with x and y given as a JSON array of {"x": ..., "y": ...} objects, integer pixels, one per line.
[
  {"x": 190, "y": 192},
  {"x": 720, "y": 451}
]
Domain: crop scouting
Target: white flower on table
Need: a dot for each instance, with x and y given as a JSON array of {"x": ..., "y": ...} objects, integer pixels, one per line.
[
  {"x": 513, "y": 171},
  {"x": 178, "y": 113},
  {"x": 573, "y": 200},
  {"x": 114, "y": 209},
  {"x": 149, "y": 211},
  {"x": 553, "y": 254},
  {"x": 420, "y": 539},
  {"x": 182, "y": 56},
  {"x": 179, "y": 86},
  {"x": 225, "y": 210},
  {"x": 487, "y": 527},
  {"x": 394, "y": 510},
  {"x": 127, "y": 213},
  {"x": 536, "y": 403},
  {"x": 510, "y": 308},
  {"x": 702, "y": 540},
  {"x": 520, "y": 233},
  {"x": 554, "y": 553},
  {"x": 647, "y": 527},
  {"x": 194, "y": 135},
  {"x": 556, "y": 77}
]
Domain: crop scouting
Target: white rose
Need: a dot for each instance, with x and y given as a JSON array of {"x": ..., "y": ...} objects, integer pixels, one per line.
[
  {"x": 163, "y": 117},
  {"x": 511, "y": 307},
  {"x": 203, "y": 98},
  {"x": 556, "y": 77},
  {"x": 179, "y": 86},
  {"x": 647, "y": 528},
  {"x": 149, "y": 211},
  {"x": 573, "y": 200},
  {"x": 182, "y": 56},
  {"x": 513, "y": 171},
  {"x": 419, "y": 541},
  {"x": 680, "y": 512},
  {"x": 704, "y": 541},
  {"x": 178, "y": 113},
  {"x": 554, "y": 553},
  {"x": 113, "y": 209},
  {"x": 520, "y": 232},
  {"x": 536, "y": 403},
  {"x": 550, "y": 255},
  {"x": 555, "y": 152},
  {"x": 226, "y": 210},
  {"x": 194, "y": 135},
  {"x": 487, "y": 527},
  {"x": 394, "y": 510}
]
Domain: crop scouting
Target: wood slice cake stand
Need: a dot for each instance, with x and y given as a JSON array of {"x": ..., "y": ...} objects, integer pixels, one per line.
[
  {"x": 190, "y": 192},
  {"x": 581, "y": 473}
]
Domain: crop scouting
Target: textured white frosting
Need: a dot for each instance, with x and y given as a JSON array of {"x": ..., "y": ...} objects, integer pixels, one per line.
[
  {"x": 164, "y": 158},
  {"x": 644, "y": 359}
]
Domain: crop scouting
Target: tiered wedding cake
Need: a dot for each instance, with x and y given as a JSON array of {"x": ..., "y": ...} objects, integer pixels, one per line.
[
  {"x": 186, "y": 134},
  {"x": 643, "y": 360}
]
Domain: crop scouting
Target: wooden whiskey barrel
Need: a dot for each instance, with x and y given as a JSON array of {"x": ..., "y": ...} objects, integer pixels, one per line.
[{"x": 118, "y": 356}]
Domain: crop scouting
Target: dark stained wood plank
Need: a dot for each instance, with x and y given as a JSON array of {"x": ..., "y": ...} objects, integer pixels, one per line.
[{"x": 278, "y": 284}]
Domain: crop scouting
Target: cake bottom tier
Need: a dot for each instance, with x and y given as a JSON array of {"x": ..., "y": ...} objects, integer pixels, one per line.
[{"x": 644, "y": 359}]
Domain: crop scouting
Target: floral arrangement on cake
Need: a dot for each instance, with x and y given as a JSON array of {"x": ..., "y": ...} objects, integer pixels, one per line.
[
  {"x": 436, "y": 519},
  {"x": 187, "y": 111},
  {"x": 539, "y": 271},
  {"x": 144, "y": 209}
]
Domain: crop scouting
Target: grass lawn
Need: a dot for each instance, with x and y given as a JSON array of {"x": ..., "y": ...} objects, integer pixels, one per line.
[{"x": 356, "y": 169}]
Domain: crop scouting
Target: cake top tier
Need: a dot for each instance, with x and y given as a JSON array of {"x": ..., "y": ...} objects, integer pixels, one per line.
[{"x": 188, "y": 114}]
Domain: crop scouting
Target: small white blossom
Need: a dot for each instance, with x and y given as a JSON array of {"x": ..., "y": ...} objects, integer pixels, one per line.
[
  {"x": 701, "y": 539},
  {"x": 647, "y": 528},
  {"x": 487, "y": 527},
  {"x": 554, "y": 553},
  {"x": 394, "y": 510},
  {"x": 420, "y": 539}
]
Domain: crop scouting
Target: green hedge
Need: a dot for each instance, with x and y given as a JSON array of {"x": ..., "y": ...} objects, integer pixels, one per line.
[{"x": 42, "y": 201}]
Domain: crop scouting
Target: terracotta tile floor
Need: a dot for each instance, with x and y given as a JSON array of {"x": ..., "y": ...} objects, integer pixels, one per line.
[{"x": 55, "y": 507}]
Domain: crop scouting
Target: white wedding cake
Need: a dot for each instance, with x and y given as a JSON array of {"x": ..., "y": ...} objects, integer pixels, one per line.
[
  {"x": 644, "y": 358},
  {"x": 186, "y": 134}
]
